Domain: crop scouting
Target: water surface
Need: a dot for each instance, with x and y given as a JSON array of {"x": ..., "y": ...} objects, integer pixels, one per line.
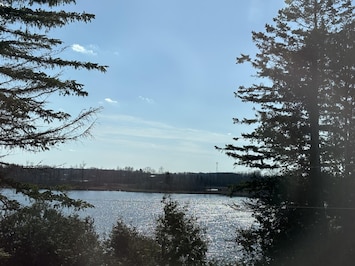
[{"x": 141, "y": 210}]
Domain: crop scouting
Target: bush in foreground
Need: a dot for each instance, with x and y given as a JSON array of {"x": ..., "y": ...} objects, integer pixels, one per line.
[
  {"x": 178, "y": 241},
  {"x": 42, "y": 235},
  {"x": 127, "y": 247},
  {"x": 181, "y": 240}
]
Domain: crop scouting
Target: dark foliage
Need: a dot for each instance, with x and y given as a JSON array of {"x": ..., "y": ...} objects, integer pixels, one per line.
[
  {"x": 181, "y": 240},
  {"x": 289, "y": 231},
  {"x": 31, "y": 72},
  {"x": 41, "y": 235},
  {"x": 128, "y": 247},
  {"x": 178, "y": 241},
  {"x": 303, "y": 132}
]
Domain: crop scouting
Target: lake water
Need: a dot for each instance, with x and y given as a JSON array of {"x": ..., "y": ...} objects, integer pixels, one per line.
[{"x": 141, "y": 210}]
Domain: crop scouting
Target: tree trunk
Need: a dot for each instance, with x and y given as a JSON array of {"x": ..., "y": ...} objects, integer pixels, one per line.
[{"x": 315, "y": 173}]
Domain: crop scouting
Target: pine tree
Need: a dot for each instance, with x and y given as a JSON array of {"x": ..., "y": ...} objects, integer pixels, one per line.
[
  {"x": 30, "y": 72},
  {"x": 303, "y": 128},
  {"x": 300, "y": 70}
]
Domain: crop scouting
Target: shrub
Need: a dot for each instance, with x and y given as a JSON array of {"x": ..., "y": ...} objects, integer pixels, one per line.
[
  {"x": 42, "y": 235},
  {"x": 181, "y": 240},
  {"x": 127, "y": 247}
]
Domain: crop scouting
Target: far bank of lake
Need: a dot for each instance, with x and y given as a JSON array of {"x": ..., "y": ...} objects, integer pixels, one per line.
[{"x": 126, "y": 180}]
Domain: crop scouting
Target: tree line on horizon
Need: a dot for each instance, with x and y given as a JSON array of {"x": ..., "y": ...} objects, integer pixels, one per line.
[{"x": 124, "y": 179}]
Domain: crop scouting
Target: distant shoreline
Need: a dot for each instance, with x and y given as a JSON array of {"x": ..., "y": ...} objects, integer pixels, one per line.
[
  {"x": 220, "y": 191},
  {"x": 218, "y": 183}
]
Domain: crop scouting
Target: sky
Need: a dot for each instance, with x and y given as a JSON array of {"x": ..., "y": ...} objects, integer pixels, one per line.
[{"x": 167, "y": 97}]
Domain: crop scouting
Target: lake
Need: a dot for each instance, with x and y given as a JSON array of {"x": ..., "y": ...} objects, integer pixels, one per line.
[{"x": 141, "y": 210}]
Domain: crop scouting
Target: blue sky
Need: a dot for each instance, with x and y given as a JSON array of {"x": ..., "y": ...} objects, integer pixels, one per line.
[{"x": 168, "y": 94}]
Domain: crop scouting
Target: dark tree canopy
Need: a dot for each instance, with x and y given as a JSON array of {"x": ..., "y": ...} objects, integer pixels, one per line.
[
  {"x": 303, "y": 131},
  {"x": 30, "y": 71},
  {"x": 305, "y": 119}
]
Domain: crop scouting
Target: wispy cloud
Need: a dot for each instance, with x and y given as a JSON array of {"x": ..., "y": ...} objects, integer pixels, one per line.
[
  {"x": 147, "y": 100},
  {"x": 82, "y": 49},
  {"x": 129, "y": 128},
  {"x": 109, "y": 100}
]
